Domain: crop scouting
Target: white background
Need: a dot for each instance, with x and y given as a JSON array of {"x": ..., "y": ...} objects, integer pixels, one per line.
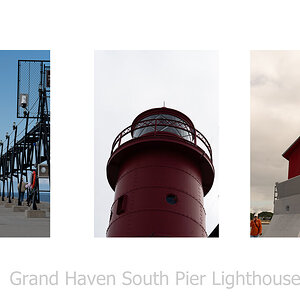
[{"x": 72, "y": 30}]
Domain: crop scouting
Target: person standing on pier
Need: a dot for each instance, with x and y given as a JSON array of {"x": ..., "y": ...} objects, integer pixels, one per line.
[
  {"x": 256, "y": 227},
  {"x": 32, "y": 190},
  {"x": 23, "y": 189}
]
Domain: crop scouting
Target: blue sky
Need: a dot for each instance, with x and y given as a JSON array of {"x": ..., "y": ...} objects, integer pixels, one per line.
[{"x": 8, "y": 85}]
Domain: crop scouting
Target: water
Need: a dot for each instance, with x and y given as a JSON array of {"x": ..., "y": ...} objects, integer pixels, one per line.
[{"x": 45, "y": 197}]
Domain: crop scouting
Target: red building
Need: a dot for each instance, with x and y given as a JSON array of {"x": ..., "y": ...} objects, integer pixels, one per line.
[
  {"x": 160, "y": 169},
  {"x": 292, "y": 154}
]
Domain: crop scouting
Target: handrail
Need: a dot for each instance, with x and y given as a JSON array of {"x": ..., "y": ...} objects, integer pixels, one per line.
[{"x": 122, "y": 137}]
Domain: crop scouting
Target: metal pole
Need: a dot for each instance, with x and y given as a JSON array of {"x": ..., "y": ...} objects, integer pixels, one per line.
[
  {"x": 41, "y": 117},
  {"x": 18, "y": 94},
  {"x": 47, "y": 134},
  {"x": 41, "y": 108},
  {"x": 12, "y": 163},
  {"x": 5, "y": 165},
  {"x": 1, "y": 167},
  {"x": 26, "y": 114}
]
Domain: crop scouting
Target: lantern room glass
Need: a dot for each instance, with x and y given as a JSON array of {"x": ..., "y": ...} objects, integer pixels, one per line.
[{"x": 185, "y": 131}]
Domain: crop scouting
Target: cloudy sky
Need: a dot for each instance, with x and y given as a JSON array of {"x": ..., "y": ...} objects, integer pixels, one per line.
[
  {"x": 275, "y": 120},
  {"x": 130, "y": 82}
]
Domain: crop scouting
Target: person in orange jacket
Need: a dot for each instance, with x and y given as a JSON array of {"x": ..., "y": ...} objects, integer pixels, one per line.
[{"x": 256, "y": 227}]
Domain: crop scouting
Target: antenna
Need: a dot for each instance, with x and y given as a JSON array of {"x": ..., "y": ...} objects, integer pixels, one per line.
[{"x": 164, "y": 104}]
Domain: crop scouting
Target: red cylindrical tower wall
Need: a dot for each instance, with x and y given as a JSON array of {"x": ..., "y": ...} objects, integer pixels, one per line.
[
  {"x": 294, "y": 163},
  {"x": 147, "y": 178},
  {"x": 160, "y": 180},
  {"x": 292, "y": 154}
]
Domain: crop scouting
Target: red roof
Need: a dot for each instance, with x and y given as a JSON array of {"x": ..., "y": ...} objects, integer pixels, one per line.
[{"x": 291, "y": 149}]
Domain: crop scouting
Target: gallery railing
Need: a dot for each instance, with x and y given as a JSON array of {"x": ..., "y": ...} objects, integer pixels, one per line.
[{"x": 158, "y": 126}]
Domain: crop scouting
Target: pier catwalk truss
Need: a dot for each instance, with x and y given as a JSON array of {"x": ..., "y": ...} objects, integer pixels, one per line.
[{"x": 27, "y": 147}]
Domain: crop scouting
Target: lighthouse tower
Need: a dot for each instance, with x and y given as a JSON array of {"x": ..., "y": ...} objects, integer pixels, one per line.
[
  {"x": 286, "y": 219},
  {"x": 160, "y": 169}
]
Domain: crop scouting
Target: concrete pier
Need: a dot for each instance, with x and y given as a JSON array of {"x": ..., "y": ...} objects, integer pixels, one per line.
[
  {"x": 17, "y": 208},
  {"x": 14, "y": 223},
  {"x": 35, "y": 213}
]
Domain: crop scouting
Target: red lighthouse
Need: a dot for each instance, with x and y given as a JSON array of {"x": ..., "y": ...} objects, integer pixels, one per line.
[
  {"x": 160, "y": 169},
  {"x": 292, "y": 154}
]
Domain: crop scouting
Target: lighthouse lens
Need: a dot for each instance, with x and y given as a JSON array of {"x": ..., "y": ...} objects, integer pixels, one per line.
[{"x": 164, "y": 123}]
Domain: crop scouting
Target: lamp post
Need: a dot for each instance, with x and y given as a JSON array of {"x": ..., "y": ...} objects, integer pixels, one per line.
[
  {"x": 26, "y": 115},
  {"x": 1, "y": 167},
  {"x": 12, "y": 163},
  {"x": 5, "y": 164}
]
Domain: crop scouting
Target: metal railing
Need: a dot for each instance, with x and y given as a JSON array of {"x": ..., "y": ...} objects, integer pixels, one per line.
[{"x": 157, "y": 126}]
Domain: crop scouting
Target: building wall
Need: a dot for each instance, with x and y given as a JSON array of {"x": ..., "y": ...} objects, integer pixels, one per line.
[
  {"x": 288, "y": 205},
  {"x": 286, "y": 218},
  {"x": 288, "y": 187},
  {"x": 283, "y": 226}
]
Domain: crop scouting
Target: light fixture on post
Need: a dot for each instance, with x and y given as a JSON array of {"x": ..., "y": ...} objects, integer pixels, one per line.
[
  {"x": 43, "y": 171},
  {"x": 24, "y": 100}
]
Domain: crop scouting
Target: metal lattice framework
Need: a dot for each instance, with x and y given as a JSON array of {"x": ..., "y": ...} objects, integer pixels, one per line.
[
  {"x": 32, "y": 75},
  {"x": 156, "y": 126},
  {"x": 31, "y": 147}
]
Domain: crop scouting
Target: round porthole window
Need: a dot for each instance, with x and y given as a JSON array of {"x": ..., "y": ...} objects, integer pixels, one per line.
[{"x": 171, "y": 199}]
